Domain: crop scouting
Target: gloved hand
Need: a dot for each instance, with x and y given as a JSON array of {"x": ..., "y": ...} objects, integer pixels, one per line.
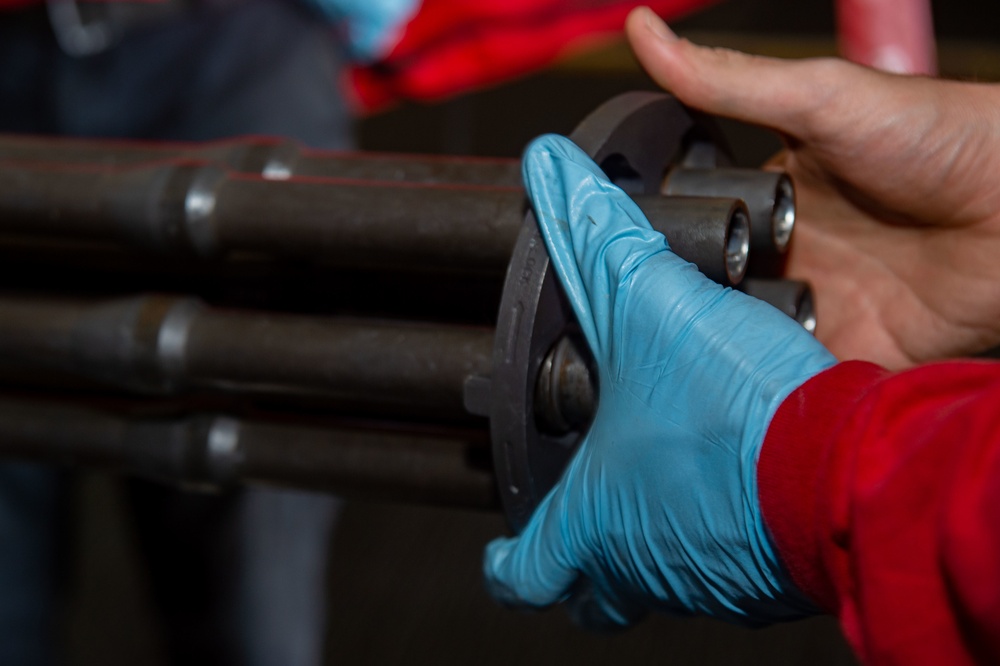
[{"x": 658, "y": 509}]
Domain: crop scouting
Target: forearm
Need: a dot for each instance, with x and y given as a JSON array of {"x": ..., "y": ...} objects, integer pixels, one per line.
[{"x": 878, "y": 489}]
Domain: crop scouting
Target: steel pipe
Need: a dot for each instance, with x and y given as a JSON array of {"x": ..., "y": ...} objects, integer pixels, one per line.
[
  {"x": 271, "y": 158},
  {"x": 770, "y": 200},
  {"x": 715, "y": 232},
  {"x": 202, "y": 210},
  {"x": 164, "y": 345},
  {"x": 792, "y": 297},
  {"x": 214, "y": 451}
]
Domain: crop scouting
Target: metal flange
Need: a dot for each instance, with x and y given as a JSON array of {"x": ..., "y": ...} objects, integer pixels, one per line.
[{"x": 634, "y": 138}]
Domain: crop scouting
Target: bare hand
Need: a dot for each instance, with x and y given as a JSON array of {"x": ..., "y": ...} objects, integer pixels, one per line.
[{"x": 898, "y": 184}]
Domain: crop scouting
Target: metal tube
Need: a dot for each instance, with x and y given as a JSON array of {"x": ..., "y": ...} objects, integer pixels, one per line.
[
  {"x": 371, "y": 226},
  {"x": 792, "y": 297},
  {"x": 186, "y": 208},
  {"x": 202, "y": 210},
  {"x": 713, "y": 232},
  {"x": 250, "y": 282},
  {"x": 214, "y": 451},
  {"x": 414, "y": 468},
  {"x": 268, "y": 157},
  {"x": 408, "y": 168},
  {"x": 770, "y": 200},
  {"x": 164, "y": 345}
]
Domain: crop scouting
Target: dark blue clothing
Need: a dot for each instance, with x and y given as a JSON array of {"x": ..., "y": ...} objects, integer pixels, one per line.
[{"x": 238, "y": 576}]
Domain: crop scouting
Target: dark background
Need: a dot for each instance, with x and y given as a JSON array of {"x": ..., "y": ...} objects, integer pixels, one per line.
[{"x": 405, "y": 585}]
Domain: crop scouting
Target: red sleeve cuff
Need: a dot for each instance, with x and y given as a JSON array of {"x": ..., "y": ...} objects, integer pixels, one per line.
[{"x": 794, "y": 468}]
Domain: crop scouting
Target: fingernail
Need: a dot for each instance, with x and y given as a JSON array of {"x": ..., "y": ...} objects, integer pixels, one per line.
[{"x": 658, "y": 27}]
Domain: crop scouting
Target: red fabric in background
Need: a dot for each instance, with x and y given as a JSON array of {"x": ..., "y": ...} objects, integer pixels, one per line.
[
  {"x": 892, "y": 35},
  {"x": 882, "y": 492},
  {"x": 452, "y": 46}
]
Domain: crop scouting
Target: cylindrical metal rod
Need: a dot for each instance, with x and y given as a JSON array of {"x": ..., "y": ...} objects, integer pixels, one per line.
[
  {"x": 408, "y": 168},
  {"x": 159, "y": 344},
  {"x": 268, "y": 157},
  {"x": 203, "y": 210},
  {"x": 792, "y": 297},
  {"x": 770, "y": 200},
  {"x": 218, "y": 450},
  {"x": 715, "y": 232},
  {"x": 188, "y": 208}
]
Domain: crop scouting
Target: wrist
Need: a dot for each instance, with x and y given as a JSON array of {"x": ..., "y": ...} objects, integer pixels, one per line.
[{"x": 798, "y": 463}]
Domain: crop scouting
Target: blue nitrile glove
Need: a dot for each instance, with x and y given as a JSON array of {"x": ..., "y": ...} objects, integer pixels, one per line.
[
  {"x": 372, "y": 27},
  {"x": 658, "y": 509}
]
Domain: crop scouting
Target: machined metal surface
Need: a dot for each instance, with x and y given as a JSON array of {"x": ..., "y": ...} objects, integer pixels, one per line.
[
  {"x": 769, "y": 197},
  {"x": 713, "y": 232}
]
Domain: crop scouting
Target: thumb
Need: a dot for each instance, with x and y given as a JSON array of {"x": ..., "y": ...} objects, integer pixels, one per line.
[
  {"x": 594, "y": 232},
  {"x": 784, "y": 95}
]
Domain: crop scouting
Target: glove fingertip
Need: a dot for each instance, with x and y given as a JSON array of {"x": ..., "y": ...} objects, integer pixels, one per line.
[
  {"x": 549, "y": 149},
  {"x": 515, "y": 579},
  {"x": 499, "y": 574},
  {"x": 494, "y": 566}
]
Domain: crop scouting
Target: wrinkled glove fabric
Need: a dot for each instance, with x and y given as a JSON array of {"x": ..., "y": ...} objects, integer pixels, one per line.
[{"x": 658, "y": 508}]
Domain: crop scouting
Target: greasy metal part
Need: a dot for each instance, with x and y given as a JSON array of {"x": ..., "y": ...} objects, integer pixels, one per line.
[
  {"x": 565, "y": 396},
  {"x": 164, "y": 345},
  {"x": 277, "y": 159},
  {"x": 201, "y": 210},
  {"x": 212, "y": 451},
  {"x": 770, "y": 200},
  {"x": 634, "y": 138},
  {"x": 714, "y": 231},
  {"x": 793, "y": 297}
]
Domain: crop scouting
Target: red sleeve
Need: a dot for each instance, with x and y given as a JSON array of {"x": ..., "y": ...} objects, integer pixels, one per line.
[{"x": 882, "y": 492}]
